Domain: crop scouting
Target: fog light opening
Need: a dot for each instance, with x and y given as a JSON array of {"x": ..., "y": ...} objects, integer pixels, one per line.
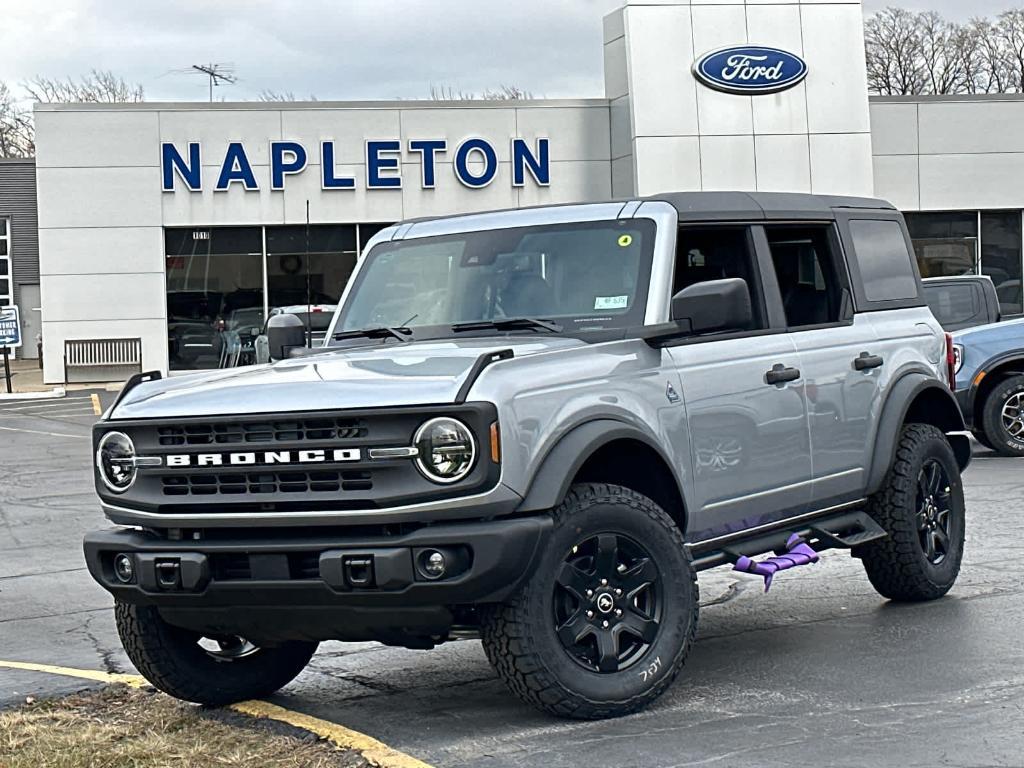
[{"x": 124, "y": 568}]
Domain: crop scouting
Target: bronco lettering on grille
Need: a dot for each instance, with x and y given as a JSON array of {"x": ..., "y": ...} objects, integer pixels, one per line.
[{"x": 315, "y": 456}]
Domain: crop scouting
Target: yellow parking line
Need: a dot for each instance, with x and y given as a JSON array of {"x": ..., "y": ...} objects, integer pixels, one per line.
[
  {"x": 96, "y": 409},
  {"x": 376, "y": 752},
  {"x": 135, "y": 681}
]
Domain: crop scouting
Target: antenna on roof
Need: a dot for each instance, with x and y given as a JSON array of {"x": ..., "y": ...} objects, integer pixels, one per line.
[{"x": 218, "y": 73}]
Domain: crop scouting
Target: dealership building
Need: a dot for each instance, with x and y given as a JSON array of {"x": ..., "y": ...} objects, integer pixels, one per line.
[{"x": 164, "y": 226}]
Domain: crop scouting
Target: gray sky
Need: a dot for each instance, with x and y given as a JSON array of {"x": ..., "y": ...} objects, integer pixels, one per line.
[{"x": 335, "y": 49}]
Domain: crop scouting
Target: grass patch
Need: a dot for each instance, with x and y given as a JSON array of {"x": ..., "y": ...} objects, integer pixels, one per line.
[{"x": 120, "y": 726}]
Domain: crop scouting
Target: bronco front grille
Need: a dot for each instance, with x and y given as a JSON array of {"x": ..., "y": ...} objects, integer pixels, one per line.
[
  {"x": 249, "y": 432},
  {"x": 235, "y": 483}
]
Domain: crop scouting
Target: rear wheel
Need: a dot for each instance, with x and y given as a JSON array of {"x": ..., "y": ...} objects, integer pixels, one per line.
[
  {"x": 1003, "y": 417},
  {"x": 206, "y": 670},
  {"x": 606, "y": 620},
  {"x": 921, "y": 506}
]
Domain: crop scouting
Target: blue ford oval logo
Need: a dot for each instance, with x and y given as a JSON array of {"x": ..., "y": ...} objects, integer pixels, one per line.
[{"x": 751, "y": 69}]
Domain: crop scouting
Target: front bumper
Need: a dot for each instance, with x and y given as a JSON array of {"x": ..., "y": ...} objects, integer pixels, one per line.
[
  {"x": 322, "y": 586},
  {"x": 965, "y": 399}
]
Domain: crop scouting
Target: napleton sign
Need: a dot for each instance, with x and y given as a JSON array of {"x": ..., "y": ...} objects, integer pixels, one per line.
[{"x": 474, "y": 164}]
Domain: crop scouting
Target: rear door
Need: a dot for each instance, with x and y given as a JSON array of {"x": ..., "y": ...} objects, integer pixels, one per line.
[
  {"x": 839, "y": 355},
  {"x": 748, "y": 437}
]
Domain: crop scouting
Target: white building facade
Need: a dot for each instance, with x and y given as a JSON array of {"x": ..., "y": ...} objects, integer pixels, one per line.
[{"x": 168, "y": 225}]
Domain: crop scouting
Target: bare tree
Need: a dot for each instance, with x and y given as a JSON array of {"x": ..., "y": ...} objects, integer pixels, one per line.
[
  {"x": 1009, "y": 30},
  {"x": 268, "y": 95},
  {"x": 923, "y": 53},
  {"x": 502, "y": 93},
  {"x": 99, "y": 86},
  {"x": 16, "y": 135},
  {"x": 943, "y": 68},
  {"x": 895, "y": 53}
]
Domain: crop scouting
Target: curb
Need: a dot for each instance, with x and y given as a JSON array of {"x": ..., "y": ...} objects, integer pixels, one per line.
[{"x": 46, "y": 395}]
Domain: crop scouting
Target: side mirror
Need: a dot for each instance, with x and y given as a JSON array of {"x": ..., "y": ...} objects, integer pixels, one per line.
[
  {"x": 714, "y": 305},
  {"x": 284, "y": 333}
]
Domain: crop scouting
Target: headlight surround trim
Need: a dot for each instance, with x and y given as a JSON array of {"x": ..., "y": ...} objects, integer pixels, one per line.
[{"x": 105, "y": 466}]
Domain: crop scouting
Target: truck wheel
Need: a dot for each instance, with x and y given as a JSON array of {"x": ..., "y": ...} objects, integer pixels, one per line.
[
  {"x": 608, "y": 615},
  {"x": 921, "y": 506},
  {"x": 1003, "y": 417},
  {"x": 211, "y": 671}
]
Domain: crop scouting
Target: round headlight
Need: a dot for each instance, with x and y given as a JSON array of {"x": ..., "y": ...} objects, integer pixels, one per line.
[
  {"x": 115, "y": 458},
  {"x": 446, "y": 448}
]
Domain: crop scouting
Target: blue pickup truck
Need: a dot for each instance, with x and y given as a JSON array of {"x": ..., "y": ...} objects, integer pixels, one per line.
[{"x": 989, "y": 364}]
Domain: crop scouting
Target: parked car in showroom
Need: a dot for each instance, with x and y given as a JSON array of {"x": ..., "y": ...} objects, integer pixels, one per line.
[{"x": 990, "y": 384}]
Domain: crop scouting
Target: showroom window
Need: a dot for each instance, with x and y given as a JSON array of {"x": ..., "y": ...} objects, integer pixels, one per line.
[
  {"x": 946, "y": 244},
  {"x": 214, "y": 289},
  {"x": 973, "y": 242},
  {"x": 222, "y": 282},
  {"x": 6, "y": 278},
  {"x": 1001, "y": 257}
]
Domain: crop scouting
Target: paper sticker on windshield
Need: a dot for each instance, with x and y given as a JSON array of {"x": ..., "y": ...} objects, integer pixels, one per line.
[
  {"x": 611, "y": 302},
  {"x": 625, "y": 241}
]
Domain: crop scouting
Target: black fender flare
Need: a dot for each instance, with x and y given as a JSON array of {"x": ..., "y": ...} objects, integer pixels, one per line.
[
  {"x": 993, "y": 362},
  {"x": 551, "y": 481},
  {"x": 902, "y": 395}
]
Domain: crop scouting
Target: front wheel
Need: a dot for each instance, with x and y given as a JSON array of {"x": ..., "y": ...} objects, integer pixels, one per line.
[
  {"x": 921, "y": 507},
  {"x": 608, "y": 616},
  {"x": 205, "y": 670},
  {"x": 1003, "y": 417}
]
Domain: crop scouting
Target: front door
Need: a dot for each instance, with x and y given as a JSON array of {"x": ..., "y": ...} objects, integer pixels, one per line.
[
  {"x": 748, "y": 431},
  {"x": 748, "y": 438},
  {"x": 29, "y": 306}
]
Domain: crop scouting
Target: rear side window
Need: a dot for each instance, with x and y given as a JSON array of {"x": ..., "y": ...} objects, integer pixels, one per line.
[
  {"x": 884, "y": 260},
  {"x": 955, "y": 304}
]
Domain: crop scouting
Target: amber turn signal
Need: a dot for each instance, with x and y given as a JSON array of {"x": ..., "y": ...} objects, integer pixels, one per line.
[{"x": 495, "y": 444}]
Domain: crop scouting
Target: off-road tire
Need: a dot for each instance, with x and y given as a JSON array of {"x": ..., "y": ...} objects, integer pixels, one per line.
[
  {"x": 992, "y": 417},
  {"x": 519, "y": 635},
  {"x": 171, "y": 660},
  {"x": 897, "y": 565}
]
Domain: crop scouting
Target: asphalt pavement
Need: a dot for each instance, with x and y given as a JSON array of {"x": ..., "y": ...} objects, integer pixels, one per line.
[{"x": 819, "y": 671}]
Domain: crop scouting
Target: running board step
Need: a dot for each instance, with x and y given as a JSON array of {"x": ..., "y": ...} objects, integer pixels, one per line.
[
  {"x": 838, "y": 530},
  {"x": 798, "y": 552}
]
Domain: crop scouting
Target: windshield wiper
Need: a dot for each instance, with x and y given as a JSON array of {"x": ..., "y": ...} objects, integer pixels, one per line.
[
  {"x": 378, "y": 332},
  {"x": 508, "y": 324}
]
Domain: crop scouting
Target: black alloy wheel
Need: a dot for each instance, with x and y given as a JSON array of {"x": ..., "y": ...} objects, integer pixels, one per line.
[
  {"x": 934, "y": 511},
  {"x": 608, "y": 602}
]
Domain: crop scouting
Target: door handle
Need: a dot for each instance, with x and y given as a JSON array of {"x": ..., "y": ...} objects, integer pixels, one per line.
[
  {"x": 867, "y": 361},
  {"x": 780, "y": 374}
]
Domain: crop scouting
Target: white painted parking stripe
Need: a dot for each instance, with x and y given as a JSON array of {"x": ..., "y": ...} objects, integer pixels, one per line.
[
  {"x": 46, "y": 415},
  {"x": 63, "y": 402},
  {"x": 38, "y": 432}
]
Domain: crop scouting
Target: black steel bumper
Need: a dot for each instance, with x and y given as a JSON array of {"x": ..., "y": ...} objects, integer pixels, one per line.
[{"x": 320, "y": 586}]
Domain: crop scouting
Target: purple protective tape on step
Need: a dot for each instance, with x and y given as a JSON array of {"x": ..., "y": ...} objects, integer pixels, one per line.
[{"x": 798, "y": 552}]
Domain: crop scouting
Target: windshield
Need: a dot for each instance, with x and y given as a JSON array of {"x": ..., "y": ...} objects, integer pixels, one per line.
[{"x": 588, "y": 275}]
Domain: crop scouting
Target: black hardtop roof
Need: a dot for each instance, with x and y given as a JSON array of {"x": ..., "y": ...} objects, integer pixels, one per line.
[
  {"x": 722, "y": 206},
  {"x": 705, "y": 206}
]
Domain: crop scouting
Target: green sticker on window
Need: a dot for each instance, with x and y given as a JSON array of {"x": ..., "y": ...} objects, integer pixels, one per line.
[{"x": 625, "y": 241}]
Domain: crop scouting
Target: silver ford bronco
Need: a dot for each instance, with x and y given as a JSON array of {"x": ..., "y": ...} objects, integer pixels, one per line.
[{"x": 536, "y": 427}]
